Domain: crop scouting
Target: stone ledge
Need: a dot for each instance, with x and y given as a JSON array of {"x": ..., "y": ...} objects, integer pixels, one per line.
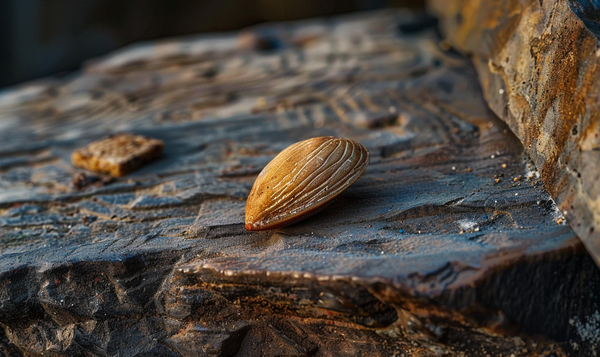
[{"x": 539, "y": 68}]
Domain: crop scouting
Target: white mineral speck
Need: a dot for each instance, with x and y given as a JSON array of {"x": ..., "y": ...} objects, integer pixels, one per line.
[
  {"x": 589, "y": 330},
  {"x": 467, "y": 224}
]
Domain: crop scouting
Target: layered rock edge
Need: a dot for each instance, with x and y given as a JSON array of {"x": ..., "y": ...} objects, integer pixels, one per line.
[{"x": 538, "y": 68}]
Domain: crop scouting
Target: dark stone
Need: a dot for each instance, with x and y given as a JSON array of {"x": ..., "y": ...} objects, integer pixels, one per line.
[
  {"x": 418, "y": 23},
  {"x": 423, "y": 255},
  {"x": 588, "y": 11}
]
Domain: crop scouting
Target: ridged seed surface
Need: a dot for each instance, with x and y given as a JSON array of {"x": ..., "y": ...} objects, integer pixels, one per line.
[{"x": 302, "y": 179}]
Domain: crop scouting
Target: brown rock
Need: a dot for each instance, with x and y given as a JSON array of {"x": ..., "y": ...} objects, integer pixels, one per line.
[
  {"x": 540, "y": 72},
  {"x": 118, "y": 154}
]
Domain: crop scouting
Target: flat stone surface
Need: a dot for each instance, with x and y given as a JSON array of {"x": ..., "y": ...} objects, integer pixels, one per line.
[
  {"x": 445, "y": 245},
  {"x": 539, "y": 68}
]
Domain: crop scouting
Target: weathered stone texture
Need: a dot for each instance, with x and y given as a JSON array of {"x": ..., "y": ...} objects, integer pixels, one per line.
[
  {"x": 447, "y": 245},
  {"x": 539, "y": 68}
]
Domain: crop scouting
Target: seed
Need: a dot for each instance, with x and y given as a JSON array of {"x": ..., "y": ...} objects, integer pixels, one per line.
[{"x": 302, "y": 180}]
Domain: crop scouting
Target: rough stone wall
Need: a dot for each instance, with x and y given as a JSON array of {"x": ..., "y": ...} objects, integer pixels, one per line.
[{"x": 538, "y": 66}]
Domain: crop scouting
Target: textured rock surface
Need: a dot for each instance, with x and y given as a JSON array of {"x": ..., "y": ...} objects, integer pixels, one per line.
[
  {"x": 588, "y": 12},
  {"x": 447, "y": 244},
  {"x": 539, "y": 68}
]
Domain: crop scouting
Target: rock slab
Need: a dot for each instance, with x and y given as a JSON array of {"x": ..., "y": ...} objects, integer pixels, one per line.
[
  {"x": 448, "y": 244},
  {"x": 539, "y": 68}
]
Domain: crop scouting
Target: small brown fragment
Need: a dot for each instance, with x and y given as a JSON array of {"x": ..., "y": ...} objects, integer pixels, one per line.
[
  {"x": 253, "y": 41},
  {"x": 445, "y": 45},
  {"x": 117, "y": 154},
  {"x": 82, "y": 180}
]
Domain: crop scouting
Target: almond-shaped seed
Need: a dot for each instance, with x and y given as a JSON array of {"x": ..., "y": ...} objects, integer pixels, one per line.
[{"x": 302, "y": 180}]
